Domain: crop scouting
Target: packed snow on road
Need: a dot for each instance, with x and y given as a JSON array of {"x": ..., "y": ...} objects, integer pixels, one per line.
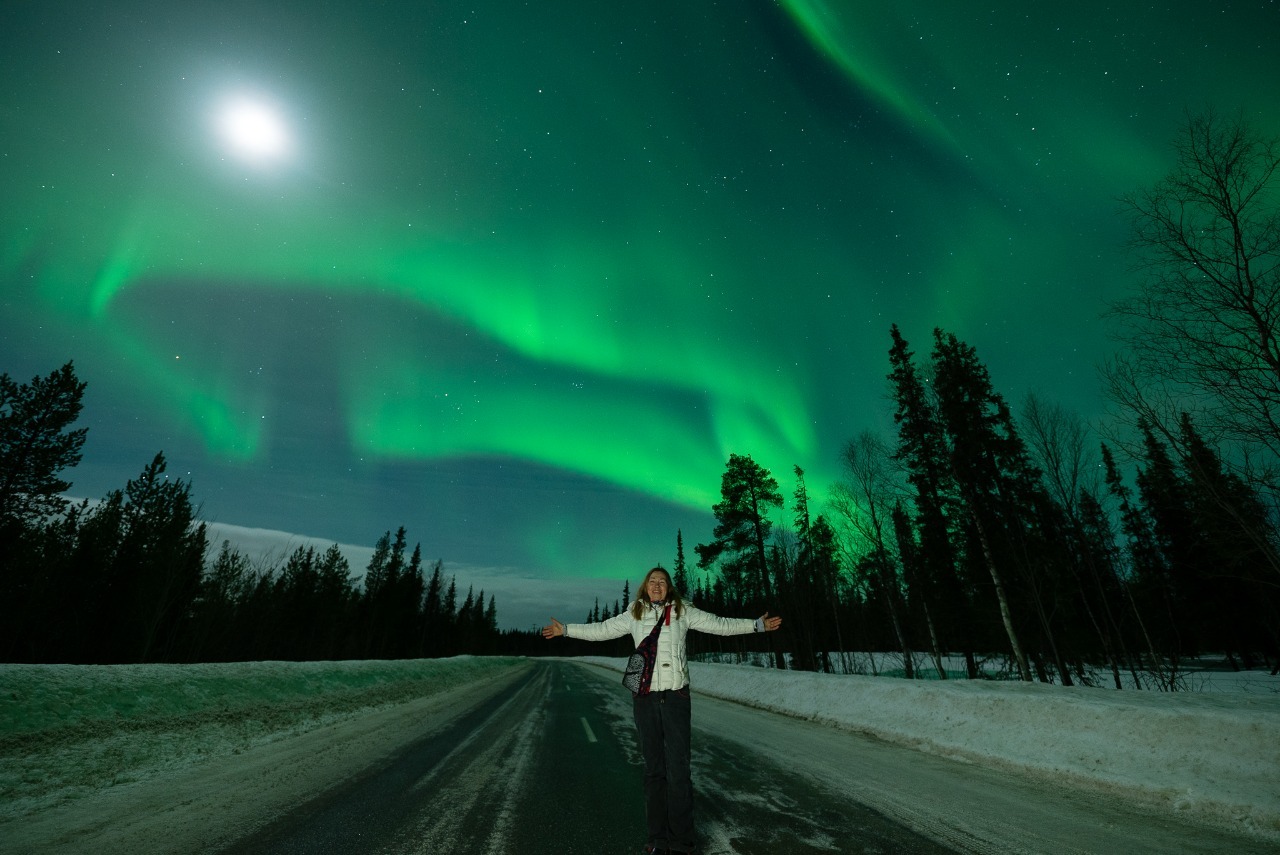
[{"x": 68, "y": 733}]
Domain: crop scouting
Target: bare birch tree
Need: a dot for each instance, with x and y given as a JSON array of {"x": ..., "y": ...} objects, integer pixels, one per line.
[{"x": 1201, "y": 330}]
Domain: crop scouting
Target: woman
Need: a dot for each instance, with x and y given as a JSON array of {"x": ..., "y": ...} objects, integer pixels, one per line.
[{"x": 661, "y": 708}]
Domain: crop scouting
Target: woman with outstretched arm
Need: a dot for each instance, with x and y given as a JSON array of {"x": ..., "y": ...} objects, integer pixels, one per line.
[{"x": 658, "y": 621}]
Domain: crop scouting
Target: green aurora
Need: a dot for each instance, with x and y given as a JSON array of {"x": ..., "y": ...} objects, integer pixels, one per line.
[{"x": 530, "y": 273}]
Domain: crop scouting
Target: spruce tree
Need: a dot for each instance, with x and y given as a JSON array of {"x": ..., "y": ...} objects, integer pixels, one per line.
[
  {"x": 803, "y": 589},
  {"x": 1099, "y": 555},
  {"x": 1236, "y": 595},
  {"x": 218, "y": 610},
  {"x": 37, "y": 444},
  {"x": 921, "y": 588},
  {"x": 335, "y": 598},
  {"x": 680, "y": 575},
  {"x": 375, "y": 575},
  {"x": 922, "y": 451},
  {"x": 1146, "y": 563},
  {"x": 154, "y": 574},
  {"x": 433, "y": 613},
  {"x": 297, "y": 589},
  {"x": 1174, "y": 581},
  {"x": 978, "y": 429},
  {"x": 748, "y": 493}
]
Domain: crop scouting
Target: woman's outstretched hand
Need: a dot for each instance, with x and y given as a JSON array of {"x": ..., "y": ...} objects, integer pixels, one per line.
[
  {"x": 556, "y": 628},
  {"x": 770, "y": 623}
]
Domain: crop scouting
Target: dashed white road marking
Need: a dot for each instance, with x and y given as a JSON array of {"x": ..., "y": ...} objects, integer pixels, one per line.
[{"x": 591, "y": 737}]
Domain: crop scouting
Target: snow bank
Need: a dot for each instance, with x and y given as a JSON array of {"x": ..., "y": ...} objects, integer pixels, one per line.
[
  {"x": 68, "y": 730},
  {"x": 43, "y": 697},
  {"x": 1216, "y": 756}
]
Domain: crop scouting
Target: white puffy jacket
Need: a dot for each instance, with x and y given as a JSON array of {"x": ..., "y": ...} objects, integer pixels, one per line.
[{"x": 671, "y": 670}]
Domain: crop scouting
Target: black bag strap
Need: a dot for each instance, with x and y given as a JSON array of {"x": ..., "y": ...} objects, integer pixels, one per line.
[
  {"x": 648, "y": 651},
  {"x": 666, "y": 618}
]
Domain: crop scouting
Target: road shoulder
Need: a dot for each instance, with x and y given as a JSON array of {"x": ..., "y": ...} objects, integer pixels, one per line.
[{"x": 204, "y": 807}]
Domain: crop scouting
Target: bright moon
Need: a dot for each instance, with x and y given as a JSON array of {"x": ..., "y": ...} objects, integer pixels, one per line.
[{"x": 254, "y": 130}]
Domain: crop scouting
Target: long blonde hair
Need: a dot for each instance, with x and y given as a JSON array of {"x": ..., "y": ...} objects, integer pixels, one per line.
[{"x": 642, "y": 596}]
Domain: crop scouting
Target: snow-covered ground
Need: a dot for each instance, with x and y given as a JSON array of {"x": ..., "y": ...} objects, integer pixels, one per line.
[
  {"x": 68, "y": 731},
  {"x": 1214, "y": 755},
  {"x": 1206, "y": 674}
]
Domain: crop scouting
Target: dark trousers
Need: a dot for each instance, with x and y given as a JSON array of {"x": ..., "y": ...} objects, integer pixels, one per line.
[{"x": 662, "y": 721}]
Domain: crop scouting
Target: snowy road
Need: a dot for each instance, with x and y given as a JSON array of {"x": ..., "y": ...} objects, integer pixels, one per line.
[
  {"x": 541, "y": 759},
  {"x": 549, "y": 765}
]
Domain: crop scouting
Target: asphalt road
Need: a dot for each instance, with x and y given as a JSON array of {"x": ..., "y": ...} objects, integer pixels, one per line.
[
  {"x": 541, "y": 758},
  {"x": 549, "y": 765}
]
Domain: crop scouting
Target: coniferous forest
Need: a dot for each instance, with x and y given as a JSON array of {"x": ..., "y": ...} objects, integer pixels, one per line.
[
  {"x": 976, "y": 532},
  {"x": 132, "y": 578}
]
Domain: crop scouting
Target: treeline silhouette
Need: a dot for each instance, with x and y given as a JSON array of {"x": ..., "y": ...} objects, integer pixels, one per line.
[
  {"x": 976, "y": 541},
  {"x": 310, "y": 608},
  {"x": 962, "y": 541},
  {"x": 128, "y": 580},
  {"x": 954, "y": 543},
  {"x": 953, "y": 546}
]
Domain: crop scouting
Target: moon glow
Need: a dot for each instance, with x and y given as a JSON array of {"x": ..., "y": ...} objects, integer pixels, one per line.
[{"x": 254, "y": 130}]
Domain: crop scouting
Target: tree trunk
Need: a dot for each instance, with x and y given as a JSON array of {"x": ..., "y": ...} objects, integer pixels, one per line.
[
  {"x": 933, "y": 641},
  {"x": 1024, "y": 671}
]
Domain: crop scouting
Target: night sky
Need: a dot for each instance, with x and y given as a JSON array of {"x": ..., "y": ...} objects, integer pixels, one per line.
[{"x": 521, "y": 276}]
